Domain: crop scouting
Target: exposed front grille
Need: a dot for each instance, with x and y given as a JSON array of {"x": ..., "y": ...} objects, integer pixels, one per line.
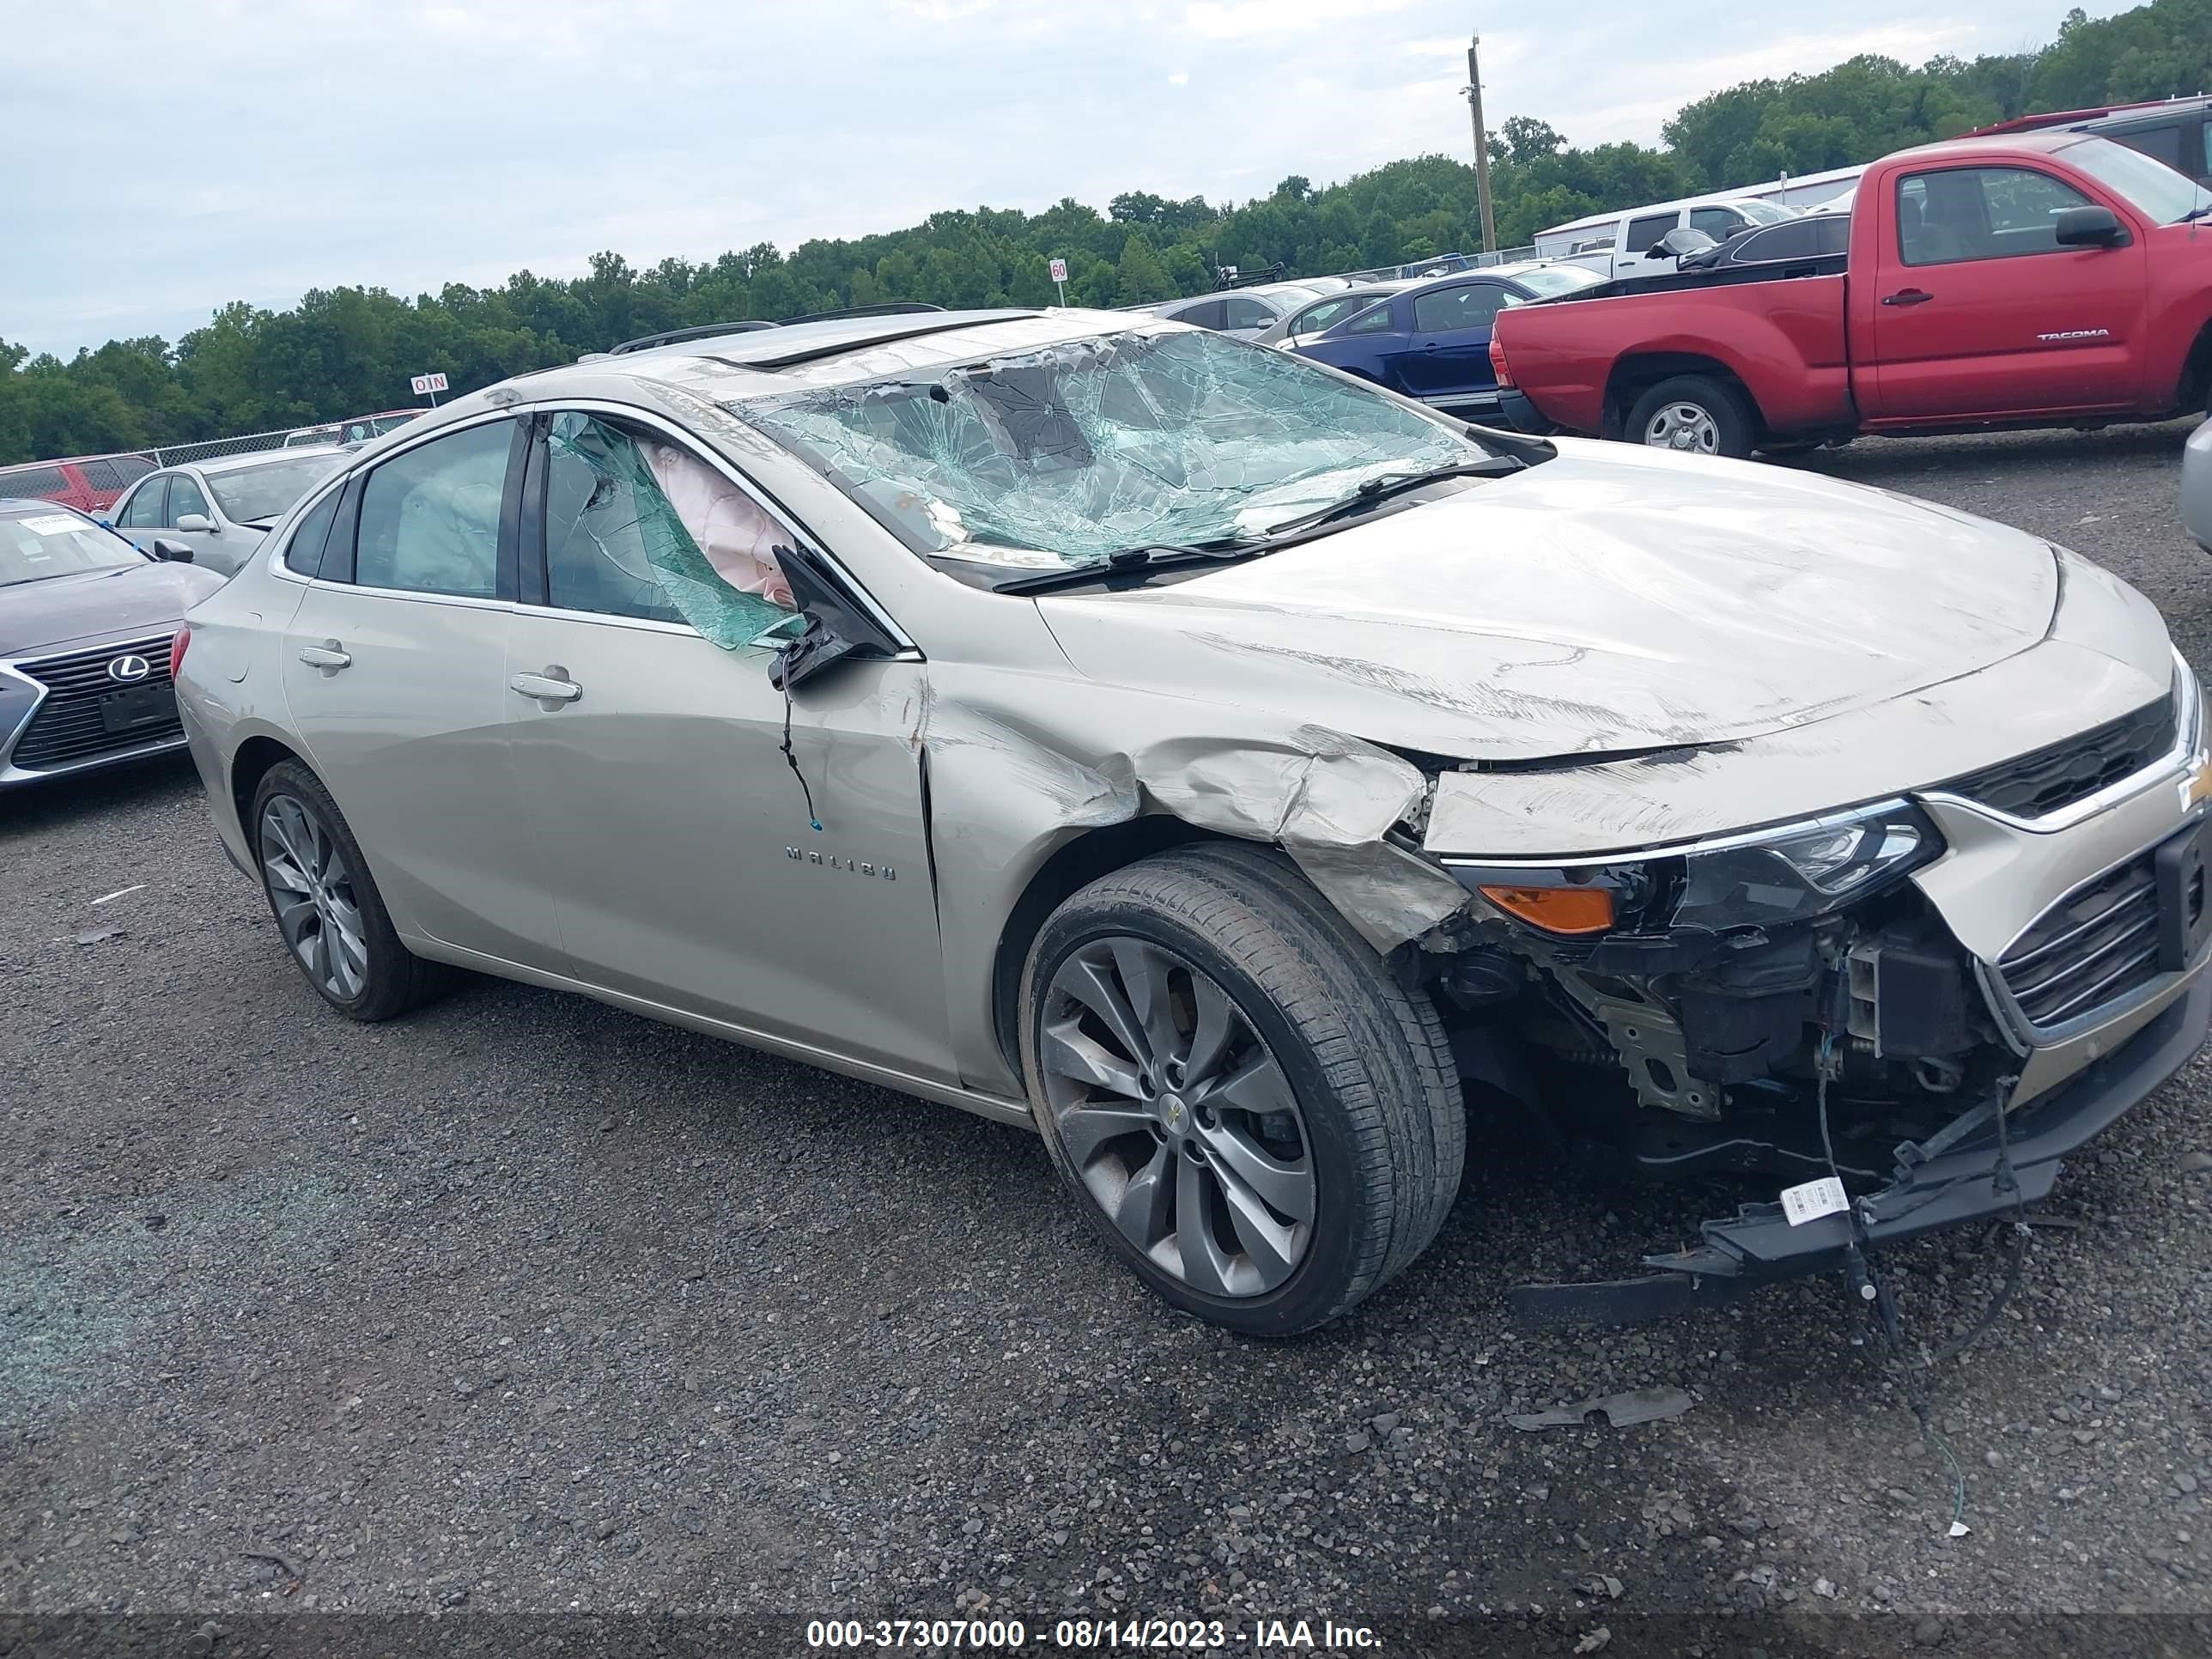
[
  {"x": 2096, "y": 945},
  {"x": 2040, "y": 782},
  {"x": 71, "y": 726}
]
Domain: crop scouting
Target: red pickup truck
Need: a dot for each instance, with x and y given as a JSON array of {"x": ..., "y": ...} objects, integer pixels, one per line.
[{"x": 2034, "y": 279}]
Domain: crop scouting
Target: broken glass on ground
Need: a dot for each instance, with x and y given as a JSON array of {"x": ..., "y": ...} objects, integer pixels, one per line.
[{"x": 1619, "y": 1411}]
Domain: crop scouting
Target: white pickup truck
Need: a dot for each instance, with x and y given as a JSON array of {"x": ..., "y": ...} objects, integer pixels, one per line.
[{"x": 1623, "y": 246}]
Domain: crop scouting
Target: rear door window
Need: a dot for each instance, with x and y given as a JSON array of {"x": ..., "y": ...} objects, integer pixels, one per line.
[
  {"x": 1240, "y": 311},
  {"x": 430, "y": 518},
  {"x": 304, "y": 552},
  {"x": 2159, "y": 144},
  {"x": 144, "y": 509},
  {"x": 1469, "y": 305},
  {"x": 1205, "y": 314},
  {"x": 1798, "y": 240}
]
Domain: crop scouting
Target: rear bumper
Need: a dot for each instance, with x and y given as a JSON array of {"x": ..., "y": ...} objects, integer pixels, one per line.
[
  {"x": 1517, "y": 412},
  {"x": 1952, "y": 1178}
]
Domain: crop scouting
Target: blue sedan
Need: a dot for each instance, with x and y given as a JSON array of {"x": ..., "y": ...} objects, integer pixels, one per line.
[{"x": 1432, "y": 341}]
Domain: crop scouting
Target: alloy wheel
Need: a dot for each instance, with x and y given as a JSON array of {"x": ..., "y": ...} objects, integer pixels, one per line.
[
  {"x": 1177, "y": 1118},
  {"x": 1687, "y": 426},
  {"x": 311, "y": 890}
]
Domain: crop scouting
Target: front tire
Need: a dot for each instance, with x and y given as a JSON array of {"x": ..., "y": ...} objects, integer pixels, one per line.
[
  {"x": 1693, "y": 414},
  {"x": 1256, "y": 1116},
  {"x": 327, "y": 907}
]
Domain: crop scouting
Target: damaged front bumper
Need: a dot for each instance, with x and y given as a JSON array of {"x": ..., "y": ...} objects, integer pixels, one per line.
[{"x": 1974, "y": 1169}]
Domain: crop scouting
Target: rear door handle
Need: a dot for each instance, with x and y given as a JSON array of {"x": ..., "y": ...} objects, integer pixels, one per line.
[
  {"x": 1908, "y": 296},
  {"x": 552, "y": 686},
  {"x": 328, "y": 654}
]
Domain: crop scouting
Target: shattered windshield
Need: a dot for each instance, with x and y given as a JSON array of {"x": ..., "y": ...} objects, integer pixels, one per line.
[{"x": 1065, "y": 455}]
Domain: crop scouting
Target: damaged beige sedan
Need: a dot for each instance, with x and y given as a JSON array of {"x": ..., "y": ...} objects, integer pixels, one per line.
[{"x": 1233, "y": 770}]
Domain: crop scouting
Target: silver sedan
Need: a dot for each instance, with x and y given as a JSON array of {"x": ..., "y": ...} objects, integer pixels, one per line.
[
  {"x": 2196, "y": 486},
  {"x": 1230, "y": 768},
  {"x": 222, "y": 508}
]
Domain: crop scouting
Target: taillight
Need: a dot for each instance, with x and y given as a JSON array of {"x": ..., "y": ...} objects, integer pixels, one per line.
[
  {"x": 1497, "y": 364},
  {"x": 177, "y": 651}
]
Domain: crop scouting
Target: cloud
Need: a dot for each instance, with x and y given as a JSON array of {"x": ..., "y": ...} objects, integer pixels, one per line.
[
  {"x": 1244, "y": 20},
  {"x": 407, "y": 143}
]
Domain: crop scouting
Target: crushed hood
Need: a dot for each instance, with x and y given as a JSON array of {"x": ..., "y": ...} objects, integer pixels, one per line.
[
  {"x": 1612, "y": 599},
  {"x": 53, "y": 614}
]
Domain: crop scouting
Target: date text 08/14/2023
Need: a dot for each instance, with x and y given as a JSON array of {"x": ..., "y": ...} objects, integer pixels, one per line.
[{"x": 1094, "y": 1635}]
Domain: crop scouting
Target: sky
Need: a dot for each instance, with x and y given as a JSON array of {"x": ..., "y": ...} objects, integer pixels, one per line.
[{"x": 164, "y": 157}]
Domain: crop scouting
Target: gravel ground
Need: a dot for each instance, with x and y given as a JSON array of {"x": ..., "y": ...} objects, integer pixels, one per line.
[{"x": 522, "y": 1303}]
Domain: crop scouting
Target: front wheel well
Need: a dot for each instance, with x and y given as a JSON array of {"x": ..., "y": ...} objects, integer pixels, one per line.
[
  {"x": 1094, "y": 853},
  {"x": 1632, "y": 377},
  {"x": 248, "y": 768}
]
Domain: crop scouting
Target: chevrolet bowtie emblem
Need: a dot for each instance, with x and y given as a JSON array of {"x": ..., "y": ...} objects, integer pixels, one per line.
[{"x": 2199, "y": 786}]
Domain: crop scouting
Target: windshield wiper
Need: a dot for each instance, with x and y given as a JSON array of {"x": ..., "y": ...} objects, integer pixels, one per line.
[
  {"x": 1130, "y": 561},
  {"x": 2194, "y": 214},
  {"x": 1375, "y": 491}
]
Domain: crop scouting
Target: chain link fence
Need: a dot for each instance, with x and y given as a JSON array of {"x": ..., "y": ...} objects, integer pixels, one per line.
[{"x": 246, "y": 443}]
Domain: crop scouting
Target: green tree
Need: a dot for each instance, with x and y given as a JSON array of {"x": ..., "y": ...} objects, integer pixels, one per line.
[{"x": 341, "y": 350}]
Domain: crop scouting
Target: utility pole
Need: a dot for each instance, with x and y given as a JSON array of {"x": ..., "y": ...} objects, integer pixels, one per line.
[{"x": 1473, "y": 92}]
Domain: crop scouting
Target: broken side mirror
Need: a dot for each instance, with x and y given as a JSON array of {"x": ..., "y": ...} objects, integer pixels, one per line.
[
  {"x": 1677, "y": 242},
  {"x": 836, "y": 628}
]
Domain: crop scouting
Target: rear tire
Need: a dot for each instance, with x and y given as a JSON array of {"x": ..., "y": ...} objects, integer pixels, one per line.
[
  {"x": 328, "y": 910},
  {"x": 1258, "y": 1118},
  {"x": 1694, "y": 414}
]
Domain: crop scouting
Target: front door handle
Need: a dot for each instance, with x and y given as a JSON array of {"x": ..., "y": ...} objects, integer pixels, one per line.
[
  {"x": 1908, "y": 296},
  {"x": 550, "y": 687},
  {"x": 329, "y": 654}
]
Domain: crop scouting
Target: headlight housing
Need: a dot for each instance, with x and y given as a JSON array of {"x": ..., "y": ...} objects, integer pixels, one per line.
[
  {"x": 1796, "y": 872},
  {"x": 1765, "y": 878}
]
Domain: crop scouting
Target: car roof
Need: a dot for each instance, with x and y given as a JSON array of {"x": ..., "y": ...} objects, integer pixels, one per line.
[
  {"x": 17, "y": 507},
  {"x": 793, "y": 342},
  {"x": 1517, "y": 268},
  {"x": 253, "y": 457},
  {"x": 770, "y": 362},
  {"x": 2042, "y": 142},
  {"x": 2147, "y": 115}
]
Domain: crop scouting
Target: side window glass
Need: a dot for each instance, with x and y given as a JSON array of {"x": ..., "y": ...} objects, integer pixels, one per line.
[
  {"x": 2159, "y": 144},
  {"x": 1471, "y": 305},
  {"x": 1642, "y": 233},
  {"x": 1375, "y": 319},
  {"x": 1245, "y": 313},
  {"x": 638, "y": 527},
  {"x": 1799, "y": 240},
  {"x": 429, "y": 519},
  {"x": 304, "y": 552},
  {"x": 184, "y": 497},
  {"x": 1979, "y": 213},
  {"x": 1719, "y": 224},
  {"x": 143, "y": 510}
]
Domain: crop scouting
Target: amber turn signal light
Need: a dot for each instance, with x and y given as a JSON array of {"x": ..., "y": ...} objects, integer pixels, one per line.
[{"x": 1556, "y": 909}]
